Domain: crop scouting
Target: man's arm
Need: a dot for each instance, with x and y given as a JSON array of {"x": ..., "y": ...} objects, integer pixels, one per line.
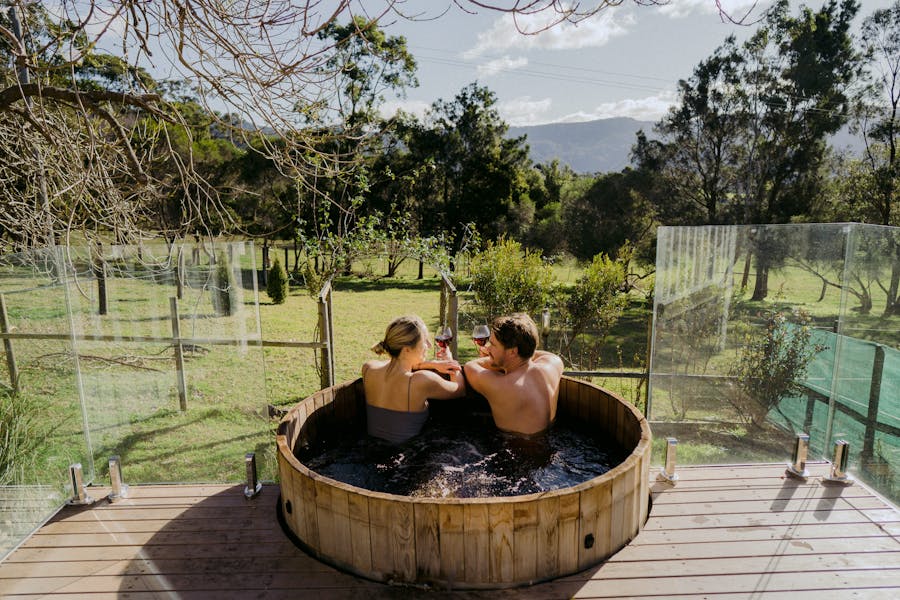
[{"x": 481, "y": 374}]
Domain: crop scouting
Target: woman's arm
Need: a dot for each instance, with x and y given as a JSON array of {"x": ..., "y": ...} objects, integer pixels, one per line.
[
  {"x": 438, "y": 388},
  {"x": 441, "y": 366}
]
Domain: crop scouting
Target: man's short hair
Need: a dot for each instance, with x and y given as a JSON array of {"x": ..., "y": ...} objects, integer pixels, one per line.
[{"x": 516, "y": 331}]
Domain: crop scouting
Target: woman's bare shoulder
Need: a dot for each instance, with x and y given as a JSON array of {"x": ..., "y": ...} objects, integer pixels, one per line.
[{"x": 372, "y": 365}]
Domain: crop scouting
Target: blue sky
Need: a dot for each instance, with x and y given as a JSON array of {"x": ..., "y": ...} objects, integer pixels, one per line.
[{"x": 624, "y": 62}]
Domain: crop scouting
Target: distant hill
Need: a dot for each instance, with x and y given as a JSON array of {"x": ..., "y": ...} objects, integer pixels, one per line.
[
  {"x": 588, "y": 147},
  {"x": 604, "y": 145}
]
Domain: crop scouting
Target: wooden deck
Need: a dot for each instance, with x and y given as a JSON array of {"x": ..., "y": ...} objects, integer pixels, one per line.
[{"x": 721, "y": 532}]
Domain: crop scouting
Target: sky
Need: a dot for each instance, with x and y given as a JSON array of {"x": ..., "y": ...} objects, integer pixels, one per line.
[{"x": 624, "y": 62}]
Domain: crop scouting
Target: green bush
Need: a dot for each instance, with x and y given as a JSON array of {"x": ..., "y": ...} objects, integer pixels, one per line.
[
  {"x": 224, "y": 288},
  {"x": 592, "y": 308},
  {"x": 20, "y": 435},
  {"x": 277, "y": 283},
  {"x": 507, "y": 278},
  {"x": 771, "y": 365}
]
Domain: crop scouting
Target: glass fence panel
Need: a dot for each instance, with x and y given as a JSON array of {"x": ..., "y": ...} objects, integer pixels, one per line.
[
  {"x": 171, "y": 363},
  {"x": 41, "y": 422},
  {"x": 762, "y": 332}
]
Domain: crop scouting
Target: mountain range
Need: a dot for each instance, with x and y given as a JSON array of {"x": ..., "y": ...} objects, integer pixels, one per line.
[
  {"x": 597, "y": 146},
  {"x": 604, "y": 145}
]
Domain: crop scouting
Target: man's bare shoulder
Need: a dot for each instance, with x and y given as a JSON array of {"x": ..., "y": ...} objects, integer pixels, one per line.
[{"x": 547, "y": 361}]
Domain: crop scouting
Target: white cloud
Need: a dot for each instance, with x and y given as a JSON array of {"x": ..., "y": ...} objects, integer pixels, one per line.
[
  {"x": 736, "y": 9},
  {"x": 650, "y": 108},
  {"x": 524, "y": 111},
  {"x": 498, "y": 65},
  {"x": 504, "y": 34}
]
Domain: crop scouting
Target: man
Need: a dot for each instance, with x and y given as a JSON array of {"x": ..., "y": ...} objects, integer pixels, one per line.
[{"x": 520, "y": 383}]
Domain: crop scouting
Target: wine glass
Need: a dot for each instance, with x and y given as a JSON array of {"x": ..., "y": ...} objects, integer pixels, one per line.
[
  {"x": 443, "y": 340},
  {"x": 480, "y": 335}
]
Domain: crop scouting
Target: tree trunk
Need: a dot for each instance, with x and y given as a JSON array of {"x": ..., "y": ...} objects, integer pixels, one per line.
[
  {"x": 421, "y": 270},
  {"x": 892, "y": 306},
  {"x": 761, "y": 290},
  {"x": 746, "y": 278}
]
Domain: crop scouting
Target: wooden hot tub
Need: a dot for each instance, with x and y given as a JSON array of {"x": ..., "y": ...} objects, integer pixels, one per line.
[{"x": 464, "y": 542}]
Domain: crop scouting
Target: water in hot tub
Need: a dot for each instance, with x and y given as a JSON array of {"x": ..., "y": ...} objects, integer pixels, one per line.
[{"x": 465, "y": 460}]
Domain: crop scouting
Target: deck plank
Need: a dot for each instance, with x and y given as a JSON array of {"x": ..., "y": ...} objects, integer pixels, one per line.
[{"x": 728, "y": 531}]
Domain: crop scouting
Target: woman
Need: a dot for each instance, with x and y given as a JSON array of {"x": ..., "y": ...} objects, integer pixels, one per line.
[{"x": 398, "y": 389}]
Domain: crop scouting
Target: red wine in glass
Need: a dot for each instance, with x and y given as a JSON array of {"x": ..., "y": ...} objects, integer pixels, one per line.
[
  {"x": 444, "y": 338},
  {"x": 481, "y": 334}
]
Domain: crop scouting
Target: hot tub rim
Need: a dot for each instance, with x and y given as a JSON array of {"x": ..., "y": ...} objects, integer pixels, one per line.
[{"x": 626, "y": 464}]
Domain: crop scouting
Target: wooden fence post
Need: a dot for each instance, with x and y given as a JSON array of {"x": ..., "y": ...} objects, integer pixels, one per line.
[
  {"x": 100, "y": 273},
  {"x": 179, "y": 355},
  {"x": 326, "y": 335},
  {"x": 7, "y": 345},
  {"x": 450, "y": 311},
  {"x": 868, "y": 449},
  {"x": 179, "y": 274}
]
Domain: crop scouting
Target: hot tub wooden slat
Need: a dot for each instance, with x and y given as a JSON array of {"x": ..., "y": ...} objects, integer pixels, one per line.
[
  {"x": 501, "y": 550},
  {"x": 477, "y": 542},
  {"x": 403, "y": 540},
  {"x": 308, "y": 493},
  {"x": 428, "y": 545},
  {"x": 325, "y": 519},
  {"x": 569, "y": 508},
  {"x": 619, "y": 513},
  {"x": 360, "y": 538},
  {"x": 585, "y": 399},
  {"x": 382, "y": 549},
  {"x": 452, "y": 539},
  {"x": 297, "y": 516},
  {"x": 566, "y": 401},
  {"x": 525, "y": 532},
  {"x": 548, "y": 537},
  {"x": 595, "y": 521},
  {"x": 340, "y": 509}
]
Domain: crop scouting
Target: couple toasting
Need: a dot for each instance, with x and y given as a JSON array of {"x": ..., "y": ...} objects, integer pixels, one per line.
[{"x": 521, "y": 383}]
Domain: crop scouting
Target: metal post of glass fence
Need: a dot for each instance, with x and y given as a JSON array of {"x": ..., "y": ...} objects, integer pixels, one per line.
[
  {"x": 254, "y": 486},
  {"x": 119, "y": 489},
  {"x": 79, "y": 494},
  {"x": 797, "y": 467},
  {"x": 838, "y": 472},
  {"x": 668, "y": 473}
]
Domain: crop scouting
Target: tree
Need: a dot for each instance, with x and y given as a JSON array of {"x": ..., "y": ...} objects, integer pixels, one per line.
[
  {"x": 800, "y": 69},
  {"x": 703, "y": 133},
  {"x": 507, "y": 278},
  {"x": 594, "y": 306},
  {"x": 277, "y": 283},
  {"x": 878, "y": 119},
  {"x": 747, "y": 143},
  {"x": 605, "y": 216},
  {"x": 477, "y": 171}
]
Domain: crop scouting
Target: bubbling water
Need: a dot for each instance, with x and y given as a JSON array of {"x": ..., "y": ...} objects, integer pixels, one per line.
[{"x": 465, "y": 459}]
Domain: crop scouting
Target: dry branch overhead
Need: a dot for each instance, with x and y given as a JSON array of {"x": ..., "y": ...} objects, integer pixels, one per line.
[{"x": 103, "y": 102}]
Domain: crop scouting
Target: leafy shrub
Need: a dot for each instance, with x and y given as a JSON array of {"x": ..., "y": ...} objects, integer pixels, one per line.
[
  {"x": 20, "y": 435},
  {"x": 770, "y": 365},
  {"x": 594, "y": 306},
  {"x": 277, "y": 283},
  {"x": 224, "y": 288},
  {"x": 507, "y": 278}
]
